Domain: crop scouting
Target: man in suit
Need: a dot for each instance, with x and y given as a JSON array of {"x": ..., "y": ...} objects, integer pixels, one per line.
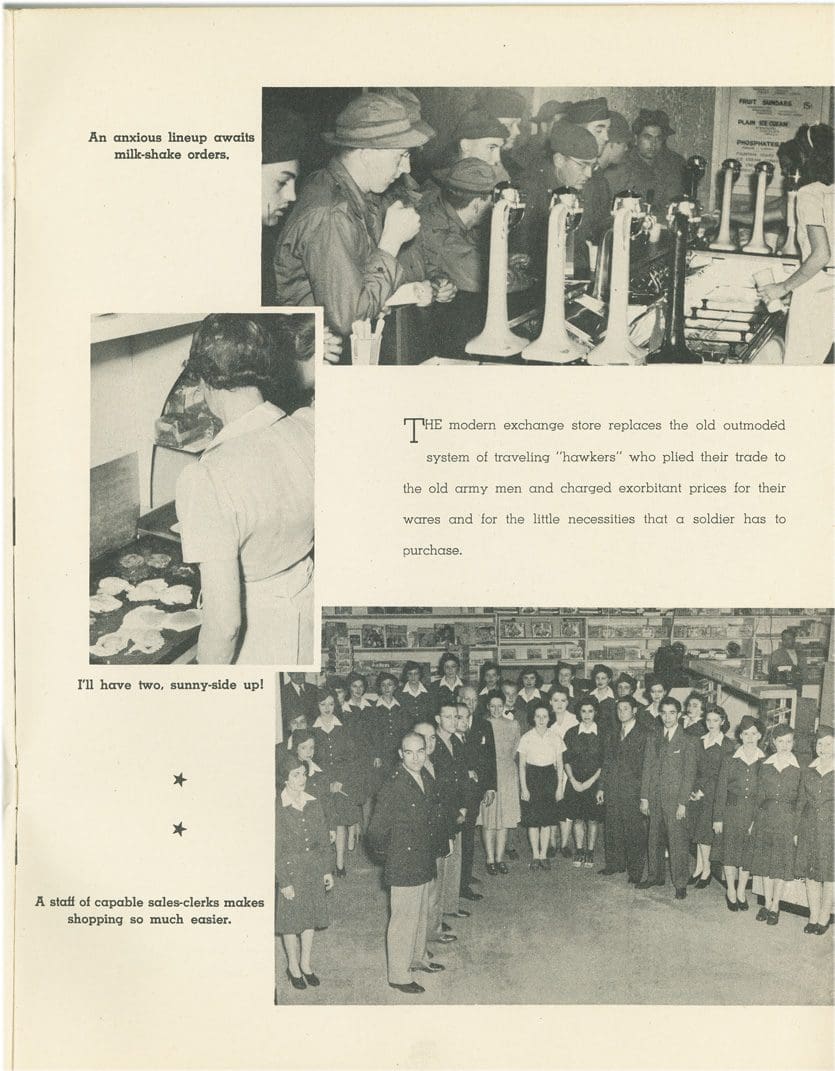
[
  {"x": 480, "y": 761},
  {"x": 625, "y": 831},
  {"x": 439, "y": 794},
  {"x": 451, "y": 769},
  {"x": 400, "y": 832},
  {"x": 668, "y": 778}
]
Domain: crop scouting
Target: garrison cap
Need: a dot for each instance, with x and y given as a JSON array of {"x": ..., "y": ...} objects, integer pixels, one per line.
[
  {"x": 619, "y": 130},
  {"x": 502, "y": 103},
  {"x": 572, "y": 140},
  {"x": 550, "y": 109},
  {"x": 373, "y": 121},
  {"x": 467, "y": 176},
  {"x": 477, "y": 123},
  {"x": 588, "y": 111},
  {"x": 650, "y": 117}
]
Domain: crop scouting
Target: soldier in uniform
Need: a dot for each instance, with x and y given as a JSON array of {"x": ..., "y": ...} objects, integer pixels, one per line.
[
  {"x": 400, "y": 832},
  {"x": 338, "y": 248},
  {"x": 650, "y": 168},
  {"x": 625, "y": 833}
]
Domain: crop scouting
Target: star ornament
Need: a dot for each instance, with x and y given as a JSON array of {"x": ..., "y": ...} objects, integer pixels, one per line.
[
  {"x": 179, "y": 829},
  {"x": 179, "y": 779}
]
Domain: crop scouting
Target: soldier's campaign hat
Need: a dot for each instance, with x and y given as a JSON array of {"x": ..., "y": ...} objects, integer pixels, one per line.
[
  {"x": 373, "y": 121},
  {"x": 650, "y": 117},
  {"x": 588, "y": 111},
  {"x": 572, "y": 140},
  {"x": 467, "y": 176},
  {"x": 477, "y": 123}
]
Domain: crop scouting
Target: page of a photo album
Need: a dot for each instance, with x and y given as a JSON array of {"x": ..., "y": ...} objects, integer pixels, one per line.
[{"x": 458, "y": 687}]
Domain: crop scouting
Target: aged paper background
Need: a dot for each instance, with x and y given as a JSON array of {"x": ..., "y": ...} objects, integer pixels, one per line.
[{"x": 95, "y": 795}]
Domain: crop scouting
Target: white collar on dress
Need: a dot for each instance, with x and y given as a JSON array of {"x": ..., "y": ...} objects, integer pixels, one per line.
[
  {"x": 458, "y": 683},
  {"x": 815, "y": 764},
  {"x": 715, "y": 743},
  {"x": 382, "y": 703},
  {"x": 313, "y": 766},
  {"x": 407, "y": 687},
  {"x": 535, "y": 694},
  {"x": 319, "y": 724},
  {"x": 286, "y": 801},
  {"x": 740, "y": 754},
  {"x": 260, "y": 416},
  {"x": 789, "y": 760},
  {"x": 363, "y": 703},
  {"x": 587, "y": 729},
  {"x": 607, "y": 693}
]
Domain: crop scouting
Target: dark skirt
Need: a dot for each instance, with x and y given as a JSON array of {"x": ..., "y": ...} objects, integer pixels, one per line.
[
  {"x": 700, "y": 820},
  {"x": 771, "y": 850},
  {"x": 541, "y": 809},
  {"x": 342, "y": 810},
  {"x": 583, "y": 806},
  {"x": 733, "y": 847},
  {"x": 308, "y": 910},
  {"x": 815, "y": 845}
]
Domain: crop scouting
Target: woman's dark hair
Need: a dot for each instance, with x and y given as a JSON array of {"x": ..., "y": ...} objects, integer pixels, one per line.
[
  {"x": 775, "y": 732},
  {"x": 299, "y": 736},
  {"x": 444, "y": 659},
  {"x": 701, "y": 698},
  {"x": 548, "y": 711},
  {"x": 525, "y": 672},
  {"x": 482, "y": 673},
  {"x": 559, "y": 690},
  {"x": 495, "y": 693},
  {"x": 230, "y": 351},
  {"x": 651, "y": 682},
  {"x": 746, "y": 722},
  {"x": 352, "y": 677},
  {"x": 589, "y": 701},
  {"x": 327, "y": 693},
  {"x": 816, "y": 150},
  {"x": 334, "y": 683},
  {"x": 407, "y": 669},
  {"x": 714, "y": 708},
  {"x": 386, "y": 677},
  {"x": 600, "y": 668},
  {"x": 563, "y": 665}
]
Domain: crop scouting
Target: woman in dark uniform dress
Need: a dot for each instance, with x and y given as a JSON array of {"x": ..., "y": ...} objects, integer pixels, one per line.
[
  {"x": 340, "y": 764},
  {"x": 714, "y": 749},
  {"x": 583, "y": 761},
  {"x": 607, "y": 713},
  {"x": 771, "y": 850},
  {"x": 302, "y": 744},
  {"x": 733, "y": 808},
  {"x": 414, "y": 696},
  {"x": 445, "y": 689},
  {"x": 814, "y": 845},
  {"x": 530, "y": 693},
  {"x": 563, "y": 720},
  {"x": 356, "y": 717},
  {"x": 387, "y": 727},
  {"x": 302, "y": 870}
]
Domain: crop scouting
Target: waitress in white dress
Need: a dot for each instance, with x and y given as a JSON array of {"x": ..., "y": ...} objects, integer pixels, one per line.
[
  {"x": 809, "y": 333},
  {"x": 246, "y": 508}
]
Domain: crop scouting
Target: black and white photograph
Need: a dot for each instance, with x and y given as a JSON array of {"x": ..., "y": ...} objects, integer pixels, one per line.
[
  {"x": 201, "y": 489},
  {"x": 647, "y": 822},
  {"x": 572, "y": 225}
]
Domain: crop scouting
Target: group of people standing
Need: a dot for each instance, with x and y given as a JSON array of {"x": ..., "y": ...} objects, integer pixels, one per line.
[{"x": 415, "y": 768}]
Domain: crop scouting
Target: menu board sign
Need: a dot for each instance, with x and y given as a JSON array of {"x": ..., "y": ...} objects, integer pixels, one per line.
[{"x": 752, "y": 121}]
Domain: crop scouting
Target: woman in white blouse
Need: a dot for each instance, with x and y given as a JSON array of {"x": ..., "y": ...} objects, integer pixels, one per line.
[
  {"x": 809, "y": 332},
  {"x": 541, "y": 779}
]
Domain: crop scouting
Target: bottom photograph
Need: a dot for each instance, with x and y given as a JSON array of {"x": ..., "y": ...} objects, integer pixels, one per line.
[{"x": 550, "y": 805}]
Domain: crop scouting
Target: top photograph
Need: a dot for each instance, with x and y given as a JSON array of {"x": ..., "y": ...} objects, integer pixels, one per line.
[{"x": 569, "y": 226}]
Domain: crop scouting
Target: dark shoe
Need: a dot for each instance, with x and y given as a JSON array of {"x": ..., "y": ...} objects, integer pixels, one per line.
[
  {"x": 311, "y": 979},
  {"x": 588, "y": 859},
  {"x": 340, "y": 871},
  {"x": 502, "y": 869},
  {"x": 446, "y": 938},
  {"x": 703, "y": 883},
  {"x": 732, "y": 904},
  {"x": 544, "y": 864},
  {"x": 468, "y": 894},
  {"x": 460, "y": 914},
  {"x": 566, "y": 852},
  {"x": 648, "y": 883},
  {"x": 511, "y": 853},
  {"x": 296, "y": 983},
  {"x": 409, "y": 987},
  {"x": 474, "y": 880},
  {"x": 810, "y": 927},
  {"x": 762, "y": 914},
  {"x": 693, "y": 879},
  {"x": 431, "y": 968},
  {"x": 681, "y": 893},
  {"x": 551, "y": 853},
  {"x": 821, "y": 930},
  {"x": 492, "y": 870},
  {"x": 533, "y": 864},
  {"x": 742, "y": 905},
  {"x": 579, "y": 856},
  {"x": 773, "y": 918},
  {"x": 445, "y": 928}
]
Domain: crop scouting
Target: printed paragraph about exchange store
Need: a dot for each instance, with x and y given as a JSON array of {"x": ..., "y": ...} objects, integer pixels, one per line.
[{"x": 675, "y": 472}]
